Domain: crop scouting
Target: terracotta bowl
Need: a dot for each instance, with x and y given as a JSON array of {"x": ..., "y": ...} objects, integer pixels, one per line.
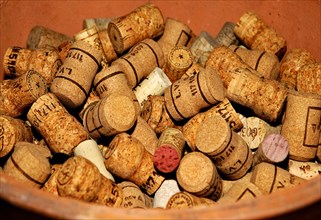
[{"x": 297, "y": 21}]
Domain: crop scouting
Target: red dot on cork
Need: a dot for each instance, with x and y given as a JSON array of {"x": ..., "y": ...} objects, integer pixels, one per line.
[{"x": 166, "y": 158}]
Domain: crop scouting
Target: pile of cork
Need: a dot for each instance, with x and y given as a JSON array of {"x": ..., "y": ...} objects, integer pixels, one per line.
[{"x": 139, "y": 112}]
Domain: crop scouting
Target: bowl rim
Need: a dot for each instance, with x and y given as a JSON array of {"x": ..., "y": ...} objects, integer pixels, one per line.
[{"x": 266, "y": 206}]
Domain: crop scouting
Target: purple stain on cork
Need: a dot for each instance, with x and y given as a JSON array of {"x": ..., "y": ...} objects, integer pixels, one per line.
[
  {"x": 166, "y": 158},
  {"x": 275, "y": 147}
]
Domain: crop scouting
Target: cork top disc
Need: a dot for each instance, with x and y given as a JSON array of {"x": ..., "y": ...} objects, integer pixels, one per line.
[
  {"x": 195, "y": 172},
  {"x": 180, "y": 57},
  {"x": 213, "y": 134}
]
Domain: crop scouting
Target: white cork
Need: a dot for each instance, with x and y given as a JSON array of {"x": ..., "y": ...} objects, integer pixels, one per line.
[
  {"x": 305, "y": 170},
  {"x": 154, "y": 84},
  {"x": 168, "y": 188},
  {"x": 89, "y": 149}
]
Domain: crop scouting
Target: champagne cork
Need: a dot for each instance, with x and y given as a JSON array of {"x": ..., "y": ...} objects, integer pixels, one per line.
[
  {"x": 168, "y": 188},
  {"x": 111, "y": 115},
  {"x": 309, "y": 78},
  {"x": 265, "y": 63},
  {"x": 16, "y": 95},
  {"x": 255, "y": 130},
  {"x": 109, "y": 193},
  {"x": 291, "y": 63},
  {"x": 228, "y": 151},
  {"x": 193, "y": 70},
  {"x": 154, "y": 84},
  {"x": 305, "y": 170},
  {"x": 183, "y": 200},
  {"x": 301, "y": 125},
  {"x": 12, "y": 130},
  {"x": 127, "y": 158},
  {"x": 79, "y": 178},
  {"x": 245, "y": 191},
  {"x": 113, "y": 80},
  {"x": 169, "y": 151},
  {"x": 145, "y": 134},
  {"x": 256, "y": 34},
  {"x": 40, "y": 36},
  {"x": 155, "y": 114},
  {"x": 73, "y": 80},
  {"x": 29, "y": 164},
  {"x": 197, "y": 174},
  {"x": 224, "y": 109},
  {"x": 133, "y": 197},
  {"x": 186, "y": 97},
  {"x": 45, "y": 61},
  {"x": 60, "y": 129},
  {"x": 144, "y": 22},
  {"x": 89, "y": 150},
  {"x": 265, "y": 97},
  {"x": 179, "y": 60},
  {"x": 140, "y": 61},
  {"x": 51, "y": 183},
  {"x": 270, "y": 178},
  {"x": 175, "y": 33},
  {"x": 273, "y": 149}
]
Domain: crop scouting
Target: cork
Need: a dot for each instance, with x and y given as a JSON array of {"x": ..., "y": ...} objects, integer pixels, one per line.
[
  {"x": 270, "y": 178},
  {"x": 154, "y": 84},
  {"x": 255, "y": 130},
  {"x": 12, "y": 130},
  {"x": 140, "y": 61},
  {"x": 309, "y": 78},
  {"x": 176, "y": 33},
  {"x": 201, "y": 47},
  {"x": 28, "y": 164},
  {"x": 293, "y": 60},
  {"x": 228, "y": 151},
  {"x": 107, "y": 46},
  {"x": 227, "y": 184},
  {"x": 155, "y": 114},
  {"x": 145, "y": 134},
  {"x": 73, "y": 80},
  {"x": 300, "y": 125},
  {"x": 265, "y": 97},
  {"x": 89, "y": 150},
  {"x": 305, "y": 170},
  {"x": 144, "y": 22},
  {"x": 183, "y": 200},
  {"x": 113, "y": 80},
  {"x": 111, "y": 115},
  {"x": 109, "y": 193},
  {"x": 133, "y": 197},
  {"x": 91, "y": 100},
  {"x": 245, "y": 191},
  {"x": 15, "y": 61},
  {"x": 40, "y": 36},
  {"x": 179, "y": 60},
  {"x": 100, "y": 23},
  {"x": 169, "y": 151},
  {"x": 51, "y": 184},
  {"x": 318, "y": 154},
  {"x": 226, "y": 35},
  {"x": 198, "y": 175},
  {"x": 127, "y": 158},
  {"x": 90, "y": 35},
  {"x": 79, "y": 178},
  {"x": 61, "y": 131},
  {"x": 168, "y": 188},
  {"x": 265, "y": 63},
  {"x": 17, "y": 95},
  {"x": 193, "y": 70},
  {"x": 273, "y": 149},
  {"x": 256, "y": 34},
  {"x": 187, "y": 97},
  {"x": 223, "y": 109},
  {"x": 63, "y": 49}
]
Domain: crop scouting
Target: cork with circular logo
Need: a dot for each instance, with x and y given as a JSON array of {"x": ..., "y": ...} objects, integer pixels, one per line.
[{"x": 182, "y": 200}]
